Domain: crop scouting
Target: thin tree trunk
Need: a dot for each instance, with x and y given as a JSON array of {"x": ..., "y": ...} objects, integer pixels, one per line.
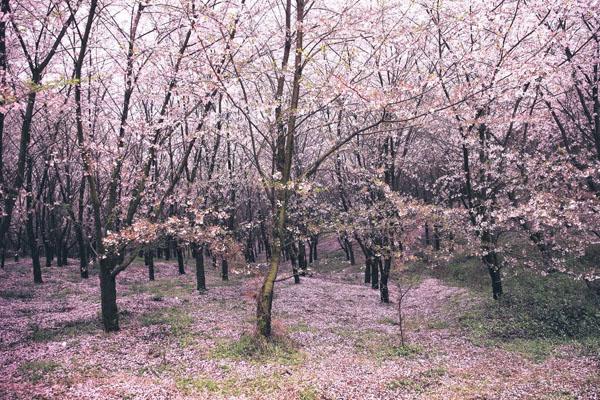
[
  {"x": 350, "y": 251},
  {"x": 35, "y": 257},
  {"x": 385, "y": 273},
  {"x": 302, "y": 258},
  {"x": 224, "y": 269},
  {"x": 198, "y": 252},
  {"x": 376, "y": 262},
  {"x": 151, "y": 264},
  {"x": 180, "y": 263}
]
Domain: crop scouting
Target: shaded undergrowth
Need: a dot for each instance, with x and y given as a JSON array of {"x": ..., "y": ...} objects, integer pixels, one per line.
[{"x": 535, "y": 315}]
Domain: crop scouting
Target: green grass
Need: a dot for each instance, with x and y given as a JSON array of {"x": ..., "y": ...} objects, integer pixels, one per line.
[
  {"x": 176, "y": 318},
  {"x": 38, "y": 370},
  {"x": 162, "y": 288},
  {"x": 301, "y": 327},
  {"x": 405, "y": 385},
  {"x": 278, "y": 350},
  {"x": 387, "y": 352},
  {"x": 189, "y": 385},
  {"x": 380, "y": 346},
  {"x": 233, "y": 386},
  {"x": 308, "y": 393},
  {"x": 63, "y": 293},
  {"x": 68, "y": 330},
  {"x": 16, "y": 294},
  {"x": 420, "y": 383},
  {"x": 535, "y": 315}
]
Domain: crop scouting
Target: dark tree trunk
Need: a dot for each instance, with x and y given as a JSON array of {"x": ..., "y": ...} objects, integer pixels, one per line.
[
  {"x": 108, "y": 296},
  {"x": 368, "y": 266},
  {"x": 427, "y": 239},
  {"x": 436, "y": 238},
  {"x": 350, "y": 251},
  {"x": 293, "y": 252},
  {"x": 83, "y": 258},
  {"x": 344, "y": 247},
  {"x": 310, "y": 253},
  {"x": 80, "y": 236},
  {"x": 302, "y": 258},
  {"x": 64, "y": 247},
  {"x": 35, "y": 257},
  {"x": 385, "y": 273},
  {"x": 198, "y": 252},
  {"x": 224, "y": 270},
  {"x": 265, "y": 238},
  {"x": 249, "y": 254},
  {"x": 48, "y": 248},
  {"x": 19, "y": 241},
  {"x": 180, "y": 263},
  {"x": 491, "y": 260},
  {"x": 168, "y": 251},
  {"x": 375, "y": 265},
  {"x": 151, "y": 264}
]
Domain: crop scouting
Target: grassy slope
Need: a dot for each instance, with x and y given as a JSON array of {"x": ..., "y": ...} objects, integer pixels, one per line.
[{"x": 335, "y": 340}]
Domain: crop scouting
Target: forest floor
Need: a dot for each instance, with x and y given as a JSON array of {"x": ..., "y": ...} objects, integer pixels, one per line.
[{"x": 335, "y": 340}]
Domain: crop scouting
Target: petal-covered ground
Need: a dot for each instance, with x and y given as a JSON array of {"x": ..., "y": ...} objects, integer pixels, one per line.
[{"x": 335, "y": 341}]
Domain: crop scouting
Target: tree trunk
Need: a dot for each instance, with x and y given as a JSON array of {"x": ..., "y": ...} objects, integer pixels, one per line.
[
  {"x": 350, "y": 251},
  {"x": 436, "y": 238},
  {"x": 368, "y": 266},
  {"x": 302, "y": 258},
  {"x": 180, "y": 263},
  {"x": 385, "y": 273},
  {"x": 494, "y": 269},
  {"x": 490, "y": 261},
  {"x": 83, "y": 258},
  {"x": 293, "y": 252},
  {"x": 342, "y": 242},
  {"x": 314, "y": 241},
  {"x": 35, "y": 257},
  {"x": 80, "y": 234},
  {"x": 151, "y": 264},
  {"x": 16, "y": 258},
  {"x": 168, "y": 251},
  {"x": 224, "y": 269},
  {"x": 108, "y": 296},
  {"x": 198, "y": 252},
  {"x": 375, "y": 263},
  {"x": 264, "y": 301}
]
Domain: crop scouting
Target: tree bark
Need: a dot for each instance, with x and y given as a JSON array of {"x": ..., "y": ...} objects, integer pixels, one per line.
[
  {"x": 108, "y": 295},
  {"x": 375, "y": 265},
  {"x": 151, "y": 264},
  {"x": 224, "y": 269},
  {"x": 385, "y": 273},
  {"x": 180, "y": 263},
  {"x": 200, "y": 277},
  {"x": 35, "y": 257},
  {"x": 302, "y": 258}
]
